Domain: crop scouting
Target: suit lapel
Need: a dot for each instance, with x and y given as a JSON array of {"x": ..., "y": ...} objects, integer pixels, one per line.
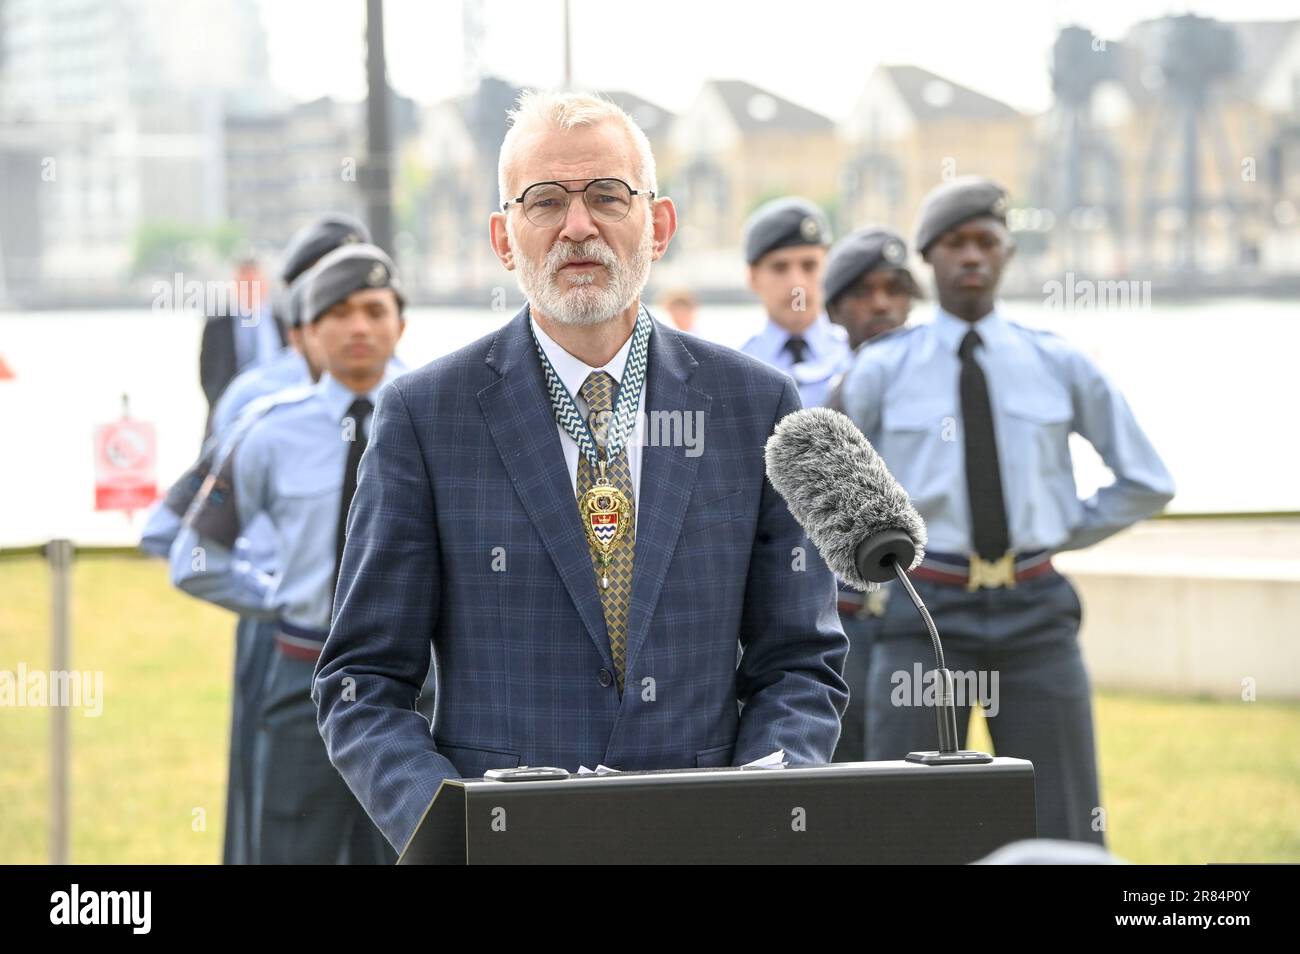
[
  {"x": 519, "y": 416},
  {"x": 667, "y": 477}
]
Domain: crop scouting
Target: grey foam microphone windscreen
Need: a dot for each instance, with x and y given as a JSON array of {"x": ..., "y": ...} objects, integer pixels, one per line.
[{"x": 838, "y": 488}]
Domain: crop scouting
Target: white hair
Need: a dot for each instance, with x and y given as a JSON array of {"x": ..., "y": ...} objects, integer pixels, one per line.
[{"x": 537, "y": 110}]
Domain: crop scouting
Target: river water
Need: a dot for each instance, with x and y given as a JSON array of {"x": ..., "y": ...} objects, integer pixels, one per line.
[{"x": 1214, "y": 383}]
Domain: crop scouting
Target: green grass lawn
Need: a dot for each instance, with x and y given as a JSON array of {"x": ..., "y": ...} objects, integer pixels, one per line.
[
  {"x": 1183, "y": 780},
  {"x": 157, "y": 753}
]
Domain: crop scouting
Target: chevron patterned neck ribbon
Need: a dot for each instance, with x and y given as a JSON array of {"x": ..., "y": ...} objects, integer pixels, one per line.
[
  {"x": 605, "y": 494},
  {"x": 625, "y": 405}
]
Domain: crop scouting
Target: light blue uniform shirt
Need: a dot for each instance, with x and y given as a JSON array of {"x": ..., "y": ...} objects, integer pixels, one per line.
[
  {"x": 257, "y": 340},
  {"x": 902, "y": 391},
  {"x": 246, "y": 399},
  {"x": 160, "y": 528},
  {"x": 163, "y": 522},
  {"x": 827, "y": 356},
  {"x": 286, "y": 369},
  {"x": 287, "y": 466}
]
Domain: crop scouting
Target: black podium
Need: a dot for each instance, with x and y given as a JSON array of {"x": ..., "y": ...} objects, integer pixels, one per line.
[{"x": 841, "y": 813}]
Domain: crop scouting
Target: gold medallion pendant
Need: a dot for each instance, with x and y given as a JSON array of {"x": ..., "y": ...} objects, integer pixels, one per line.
[{"x": 607, "y": 516}]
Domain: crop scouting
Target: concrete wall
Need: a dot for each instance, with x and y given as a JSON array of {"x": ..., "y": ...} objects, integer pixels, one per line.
[{"x": 1193, "y": 607}]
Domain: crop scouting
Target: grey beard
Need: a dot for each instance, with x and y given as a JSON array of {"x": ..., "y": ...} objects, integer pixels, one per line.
[{"x": 585, "y": 303}]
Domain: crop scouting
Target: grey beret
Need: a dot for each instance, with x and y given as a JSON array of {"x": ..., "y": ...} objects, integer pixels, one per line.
[
  {"x": 298, "y": 300},
  {"x": 952, "y": 203},
  {"x": 310, "y": 243},
  {"x": 783, "y": 223},
  {"x": 282, "y": 308},
  {"x": 858, "y": 253},
  {"x": 345, "y": 270}
]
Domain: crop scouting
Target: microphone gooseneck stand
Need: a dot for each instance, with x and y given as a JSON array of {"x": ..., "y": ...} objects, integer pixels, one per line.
[
  {"x": 880, "y": 558},
  {"x": 945, "y": 706}
]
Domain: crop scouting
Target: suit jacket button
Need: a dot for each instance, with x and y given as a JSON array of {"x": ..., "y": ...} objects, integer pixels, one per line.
[{"x": 605, "y": 678}]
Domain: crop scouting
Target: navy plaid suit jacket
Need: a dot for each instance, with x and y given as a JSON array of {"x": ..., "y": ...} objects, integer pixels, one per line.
[{"x": 464, "y": 540}]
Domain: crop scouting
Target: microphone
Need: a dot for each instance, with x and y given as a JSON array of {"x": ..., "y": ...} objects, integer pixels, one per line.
[{"x": 864, "y": 526}]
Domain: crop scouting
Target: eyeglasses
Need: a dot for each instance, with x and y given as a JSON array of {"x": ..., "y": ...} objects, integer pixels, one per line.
[{"x": 546, "y": 204}]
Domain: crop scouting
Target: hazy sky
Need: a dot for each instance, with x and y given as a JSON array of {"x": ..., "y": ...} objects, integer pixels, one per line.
[{"x": 815, "y": 52}]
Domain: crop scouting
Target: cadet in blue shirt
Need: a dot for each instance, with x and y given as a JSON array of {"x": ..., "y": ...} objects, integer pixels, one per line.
[
  {"x": 785, "y": 247},
  {"x": 868, "y": 290},
  {"x": 243, "y": 401},
  {"x": 242, "y": 336},
  {"x": 297, "y": 465},
  {"x": 972, "y": 413},
  {"x": 290, "y": 366},
  {"x": 295, "y": 363}
]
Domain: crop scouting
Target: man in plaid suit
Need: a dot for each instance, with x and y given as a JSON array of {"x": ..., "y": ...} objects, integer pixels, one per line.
[{"x": 570, "y": 518}]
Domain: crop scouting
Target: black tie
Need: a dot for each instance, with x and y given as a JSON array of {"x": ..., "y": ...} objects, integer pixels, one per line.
[
  {"x": 358, "y": 412},
  {"x": 797, "y": 347},
  {"x": 988, "y": 512}
]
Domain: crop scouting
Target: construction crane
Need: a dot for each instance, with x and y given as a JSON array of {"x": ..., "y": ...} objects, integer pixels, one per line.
[
  {"x": 1079, "y": 174},
  {"x": 1196, "y": 54}
]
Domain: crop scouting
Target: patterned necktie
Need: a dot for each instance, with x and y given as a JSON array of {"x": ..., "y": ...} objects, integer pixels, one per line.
[
  {"x": 598, "y": 392},
  {"x": 797, "y": 347},
  {"x": 358, "y": 412},
  {"x": 988, "y": 512}
]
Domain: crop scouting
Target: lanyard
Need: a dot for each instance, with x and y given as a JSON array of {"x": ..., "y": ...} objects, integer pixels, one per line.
[{"x": 625, "y": 404}]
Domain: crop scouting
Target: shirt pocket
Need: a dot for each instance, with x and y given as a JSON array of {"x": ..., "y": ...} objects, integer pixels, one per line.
[
  {"x": 1039, "y": 424},
  {"x": 918, "y": 438},
  {"x": 910, "y": 415},
  {"x": 309, "y": 482}
]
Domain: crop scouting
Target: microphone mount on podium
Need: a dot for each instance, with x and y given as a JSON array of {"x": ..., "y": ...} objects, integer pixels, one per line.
[{"x": 880, "y": 558}]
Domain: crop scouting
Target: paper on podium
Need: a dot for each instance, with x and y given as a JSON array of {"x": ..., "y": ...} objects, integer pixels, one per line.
[{"x": 774, "y": 761}]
